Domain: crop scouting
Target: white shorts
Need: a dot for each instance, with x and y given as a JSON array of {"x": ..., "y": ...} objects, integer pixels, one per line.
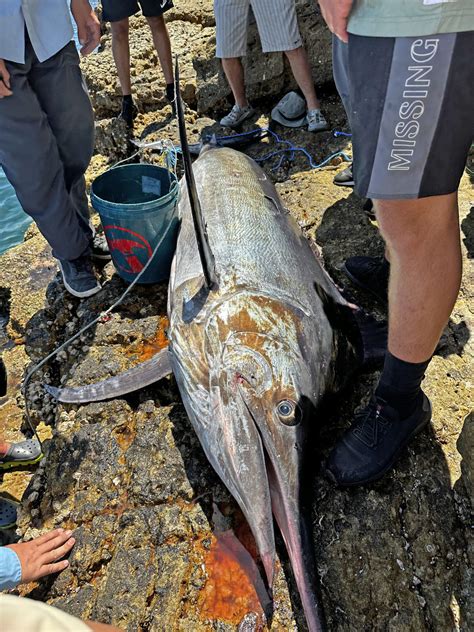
[
  {"x": 276, "y": 21},
  {"x": 19, "y": 613}
]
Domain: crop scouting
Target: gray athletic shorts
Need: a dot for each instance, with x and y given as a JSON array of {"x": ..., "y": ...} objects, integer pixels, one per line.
[
  {"x": 410, "y": 104},
  {"x": 276, "y": 22},
  {"x": 116, "y": 10}
]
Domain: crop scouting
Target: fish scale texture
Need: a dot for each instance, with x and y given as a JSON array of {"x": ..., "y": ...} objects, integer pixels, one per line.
[{"x": 248, "y": 231}]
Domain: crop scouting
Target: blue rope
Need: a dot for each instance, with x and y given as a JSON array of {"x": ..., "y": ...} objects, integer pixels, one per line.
[
  {"x": 336, "y": 133},
  {"x": 289, "y": 149}
]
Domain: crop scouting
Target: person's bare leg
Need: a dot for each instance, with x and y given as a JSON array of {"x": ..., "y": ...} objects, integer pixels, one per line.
[
  {"x": 302, "y": 73},
  {"x": 425, "y": 258},
  {"x": 4, "y": 447},
  {"x": 234, "y": 71},
  {"x": 121, "y": 53},
  {"x": 161, "y": 41}
]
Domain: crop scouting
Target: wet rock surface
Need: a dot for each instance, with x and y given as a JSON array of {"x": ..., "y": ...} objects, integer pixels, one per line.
[{"x": 160, "y": 543}]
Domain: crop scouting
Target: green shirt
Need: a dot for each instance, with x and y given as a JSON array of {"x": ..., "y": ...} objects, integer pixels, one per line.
[{"x": 409, "y": 18}]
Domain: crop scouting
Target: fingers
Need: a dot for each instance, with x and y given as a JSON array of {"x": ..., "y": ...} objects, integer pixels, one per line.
[
  {"x": 93, "y": 38},
  {"x": 4, "y": 90},
  {"x": 57, "y": 553},
  {"x": 336, "y": 15},
  {"x": 4, "y": 74},
  {"x": 49, "y": 569},
  {"x": 4, "y": 81},
  {"x": 50, "y": 535},
  {"x": 340, "y": 30},
  {"x": 59, "y": 537}
]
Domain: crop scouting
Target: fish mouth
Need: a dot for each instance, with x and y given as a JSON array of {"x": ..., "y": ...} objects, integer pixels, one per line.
[{"x": 282, "y": 469}]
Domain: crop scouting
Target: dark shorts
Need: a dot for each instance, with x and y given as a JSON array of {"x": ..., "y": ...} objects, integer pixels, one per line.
[
  {"x": 410, "y": 104},
  {"x": 115, "y": 10}
]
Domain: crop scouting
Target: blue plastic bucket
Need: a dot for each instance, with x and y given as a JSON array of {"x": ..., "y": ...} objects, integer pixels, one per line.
[{"x": 137, "y": 207}]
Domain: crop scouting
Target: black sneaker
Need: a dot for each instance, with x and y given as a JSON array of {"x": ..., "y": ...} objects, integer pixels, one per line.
[
  {"x": 170, "y": 97},
  {"x": 370, "y": 274},
  {"x": 374, "y": 442},
  {"x": 78, "y": 277},
  {"x": 128, "y": 112},
  {"x": 344, "y": 178},
  {"x": 3, "y": 378},
  {"x": 99, "y": 248}
]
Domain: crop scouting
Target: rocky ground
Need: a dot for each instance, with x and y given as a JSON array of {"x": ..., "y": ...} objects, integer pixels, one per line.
[{"x": 156, "y": 530}]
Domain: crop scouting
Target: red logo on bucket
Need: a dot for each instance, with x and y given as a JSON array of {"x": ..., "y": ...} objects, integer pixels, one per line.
[{"x": 130, "y": 251}]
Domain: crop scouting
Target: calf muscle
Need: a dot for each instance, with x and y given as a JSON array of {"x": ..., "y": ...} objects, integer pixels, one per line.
[{"x": 422, "y": 237}]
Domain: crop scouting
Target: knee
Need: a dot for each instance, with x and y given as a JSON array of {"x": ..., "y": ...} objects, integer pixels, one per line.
[
  {"x": 120, "y": 30},
  {"x": 412, "y": 226},
  {"x": 294, "y": 53},
  {"x": 157, "y": 23}
]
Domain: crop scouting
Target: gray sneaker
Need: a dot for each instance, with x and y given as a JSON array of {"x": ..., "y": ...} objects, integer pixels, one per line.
[
  {"x": 21, "y": 454},
  {"x": 237, "y": 116},
  {"x": 78, "y": 277},
  {"x": 316, "y": 121}
]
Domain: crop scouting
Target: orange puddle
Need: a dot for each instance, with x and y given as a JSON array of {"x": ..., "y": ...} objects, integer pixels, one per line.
[{"x": 234, "y": 584}]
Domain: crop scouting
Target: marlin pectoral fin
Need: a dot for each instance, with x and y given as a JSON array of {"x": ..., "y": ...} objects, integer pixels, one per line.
[
  {"x": 144, "y": 374},
  {"x": 374, "y": 340}
]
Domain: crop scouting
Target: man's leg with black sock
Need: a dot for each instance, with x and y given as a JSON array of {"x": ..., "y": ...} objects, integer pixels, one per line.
[{"x": 425, "y": 260}]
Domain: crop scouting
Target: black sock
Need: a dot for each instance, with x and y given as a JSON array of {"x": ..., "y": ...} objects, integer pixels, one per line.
[
  {"x": 127, "y": 98},
  {"x": 170, "y": 91},
  {"x": 400, "y": 384}
]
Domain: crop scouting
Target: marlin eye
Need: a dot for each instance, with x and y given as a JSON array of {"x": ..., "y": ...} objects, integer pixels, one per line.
[
  {"x": 288, "y": 412},
  {"x": 286, "y": 408}
]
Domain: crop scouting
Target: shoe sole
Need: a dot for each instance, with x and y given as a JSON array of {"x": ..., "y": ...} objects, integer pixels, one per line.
[
  {"x": 349, "y": 183},
  {"x": 77, "y": 294},
  {"x": 362, "y": 286},
  {"x": 319, "y": 129},
  {"x": 12, "y": 464},
  {"x": 394, "y": 458}
]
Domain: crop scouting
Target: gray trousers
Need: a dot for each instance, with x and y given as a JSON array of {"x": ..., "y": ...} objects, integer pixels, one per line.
[{"x": 46, "y": 143}]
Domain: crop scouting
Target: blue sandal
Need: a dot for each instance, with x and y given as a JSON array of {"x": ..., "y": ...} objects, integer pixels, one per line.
[{"x": 7, "y": 514}]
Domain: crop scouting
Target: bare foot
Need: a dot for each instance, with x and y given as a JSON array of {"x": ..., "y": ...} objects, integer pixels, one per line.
[{"x": 39, "y": 557}]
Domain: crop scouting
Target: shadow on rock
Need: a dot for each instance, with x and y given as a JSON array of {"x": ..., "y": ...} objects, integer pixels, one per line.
[
  {"x": 467, "y": 226},
  {"x": 390, "y": 554},
  {"x": 464, "y": 489}
]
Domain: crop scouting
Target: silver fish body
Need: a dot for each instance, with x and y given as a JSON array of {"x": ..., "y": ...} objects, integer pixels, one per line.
[{"x": 254, "y": 357}]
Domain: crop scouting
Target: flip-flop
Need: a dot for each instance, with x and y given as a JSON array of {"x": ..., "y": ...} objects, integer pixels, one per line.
[
  {"x": 22, "y": 453},
  {"x": 7, "y": 514}
]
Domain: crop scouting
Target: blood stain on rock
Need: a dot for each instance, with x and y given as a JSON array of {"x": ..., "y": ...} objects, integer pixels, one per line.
[{"x": 234, "y": 587}]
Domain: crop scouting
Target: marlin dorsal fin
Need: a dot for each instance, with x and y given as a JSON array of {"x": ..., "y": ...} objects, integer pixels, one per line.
[{"x": 205, "y": 253}]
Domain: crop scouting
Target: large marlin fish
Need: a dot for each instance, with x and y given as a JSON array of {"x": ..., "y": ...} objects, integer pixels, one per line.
[{"x": 254, "y": 348}]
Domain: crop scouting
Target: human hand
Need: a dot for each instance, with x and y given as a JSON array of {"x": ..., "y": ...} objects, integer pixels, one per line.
[
  {"x": 38, "y": 557},
  {"x": 4, "y": 81},
  {"x": 88, "y": 25},
  {"x": 336, "y": 14}
]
